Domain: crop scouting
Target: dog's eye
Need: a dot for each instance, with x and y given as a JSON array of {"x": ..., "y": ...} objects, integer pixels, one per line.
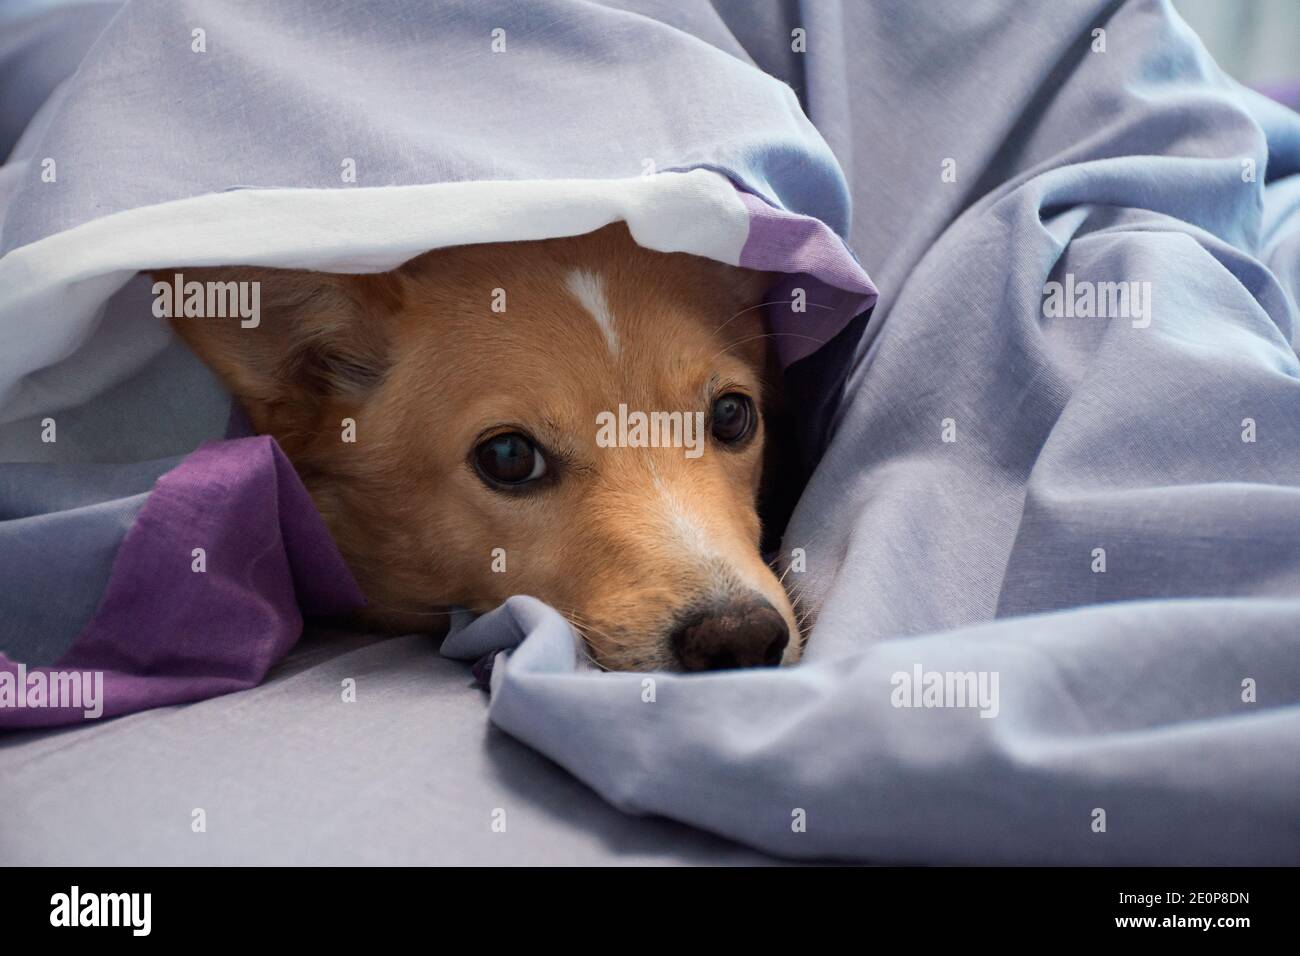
[
  {"x": 509, "y": 459},
  {"x": 733, "y": 418}
]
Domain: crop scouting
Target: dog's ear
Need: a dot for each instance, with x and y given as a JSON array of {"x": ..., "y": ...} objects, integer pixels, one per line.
[
  {"x": 733, "y": 287},
  {"x": 748, "y": 286},
  {"x": 314, "y": 338}
]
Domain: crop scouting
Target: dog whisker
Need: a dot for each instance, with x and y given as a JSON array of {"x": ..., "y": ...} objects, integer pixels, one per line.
[
  {"x": 584, "y": 645},
  {"x": 762, "y": 305}
]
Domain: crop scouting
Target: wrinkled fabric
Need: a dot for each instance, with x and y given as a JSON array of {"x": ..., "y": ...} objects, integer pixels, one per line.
[{"x": 1113, "y": 526}]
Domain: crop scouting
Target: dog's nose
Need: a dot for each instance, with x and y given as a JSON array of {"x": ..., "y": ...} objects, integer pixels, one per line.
[{"x": 738, "y": 634}]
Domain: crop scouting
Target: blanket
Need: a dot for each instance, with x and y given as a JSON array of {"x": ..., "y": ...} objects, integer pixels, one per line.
[{"x": 139, "y": 571}]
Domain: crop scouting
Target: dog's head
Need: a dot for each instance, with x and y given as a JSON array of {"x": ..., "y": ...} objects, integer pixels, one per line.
[{"x": 577, "y": 419}]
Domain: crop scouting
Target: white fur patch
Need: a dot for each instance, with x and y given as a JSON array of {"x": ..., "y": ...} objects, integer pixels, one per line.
[
  {"x": 689, "y": 534},
  {"x": 589, "y": 289}
]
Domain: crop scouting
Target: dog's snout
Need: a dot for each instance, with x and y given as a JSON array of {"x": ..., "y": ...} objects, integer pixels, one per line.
[{"x": 748, "y": 633}]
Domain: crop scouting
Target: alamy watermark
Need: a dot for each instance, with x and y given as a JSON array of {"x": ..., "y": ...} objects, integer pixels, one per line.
[
  {"x": 922, "y": 688},
  {"x": 635, "y": 429},
  {"x": 130, "y": 910},
  {"x": 209, "y": 300},
  {"x": 1100, "y": 300},
  {"x": 70, "y": 690}
]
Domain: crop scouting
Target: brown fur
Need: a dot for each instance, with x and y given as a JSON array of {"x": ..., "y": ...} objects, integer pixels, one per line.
[{"x": 622, "y": 540}]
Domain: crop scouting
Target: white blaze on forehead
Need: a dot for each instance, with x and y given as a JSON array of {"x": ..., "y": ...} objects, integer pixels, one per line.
[{"x": 589, "y": 289}]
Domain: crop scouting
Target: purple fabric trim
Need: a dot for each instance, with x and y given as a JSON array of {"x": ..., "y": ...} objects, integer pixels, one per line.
[
  {"x": 816, "y": 260},
  {"x": 165, "y": 634}
]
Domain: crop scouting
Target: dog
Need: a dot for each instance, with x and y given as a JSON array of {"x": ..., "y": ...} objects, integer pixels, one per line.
[{"x": 502, "y": 400}]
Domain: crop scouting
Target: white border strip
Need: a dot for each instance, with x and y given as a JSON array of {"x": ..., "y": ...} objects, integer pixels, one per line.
[{"x": 52, "y": 290}]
